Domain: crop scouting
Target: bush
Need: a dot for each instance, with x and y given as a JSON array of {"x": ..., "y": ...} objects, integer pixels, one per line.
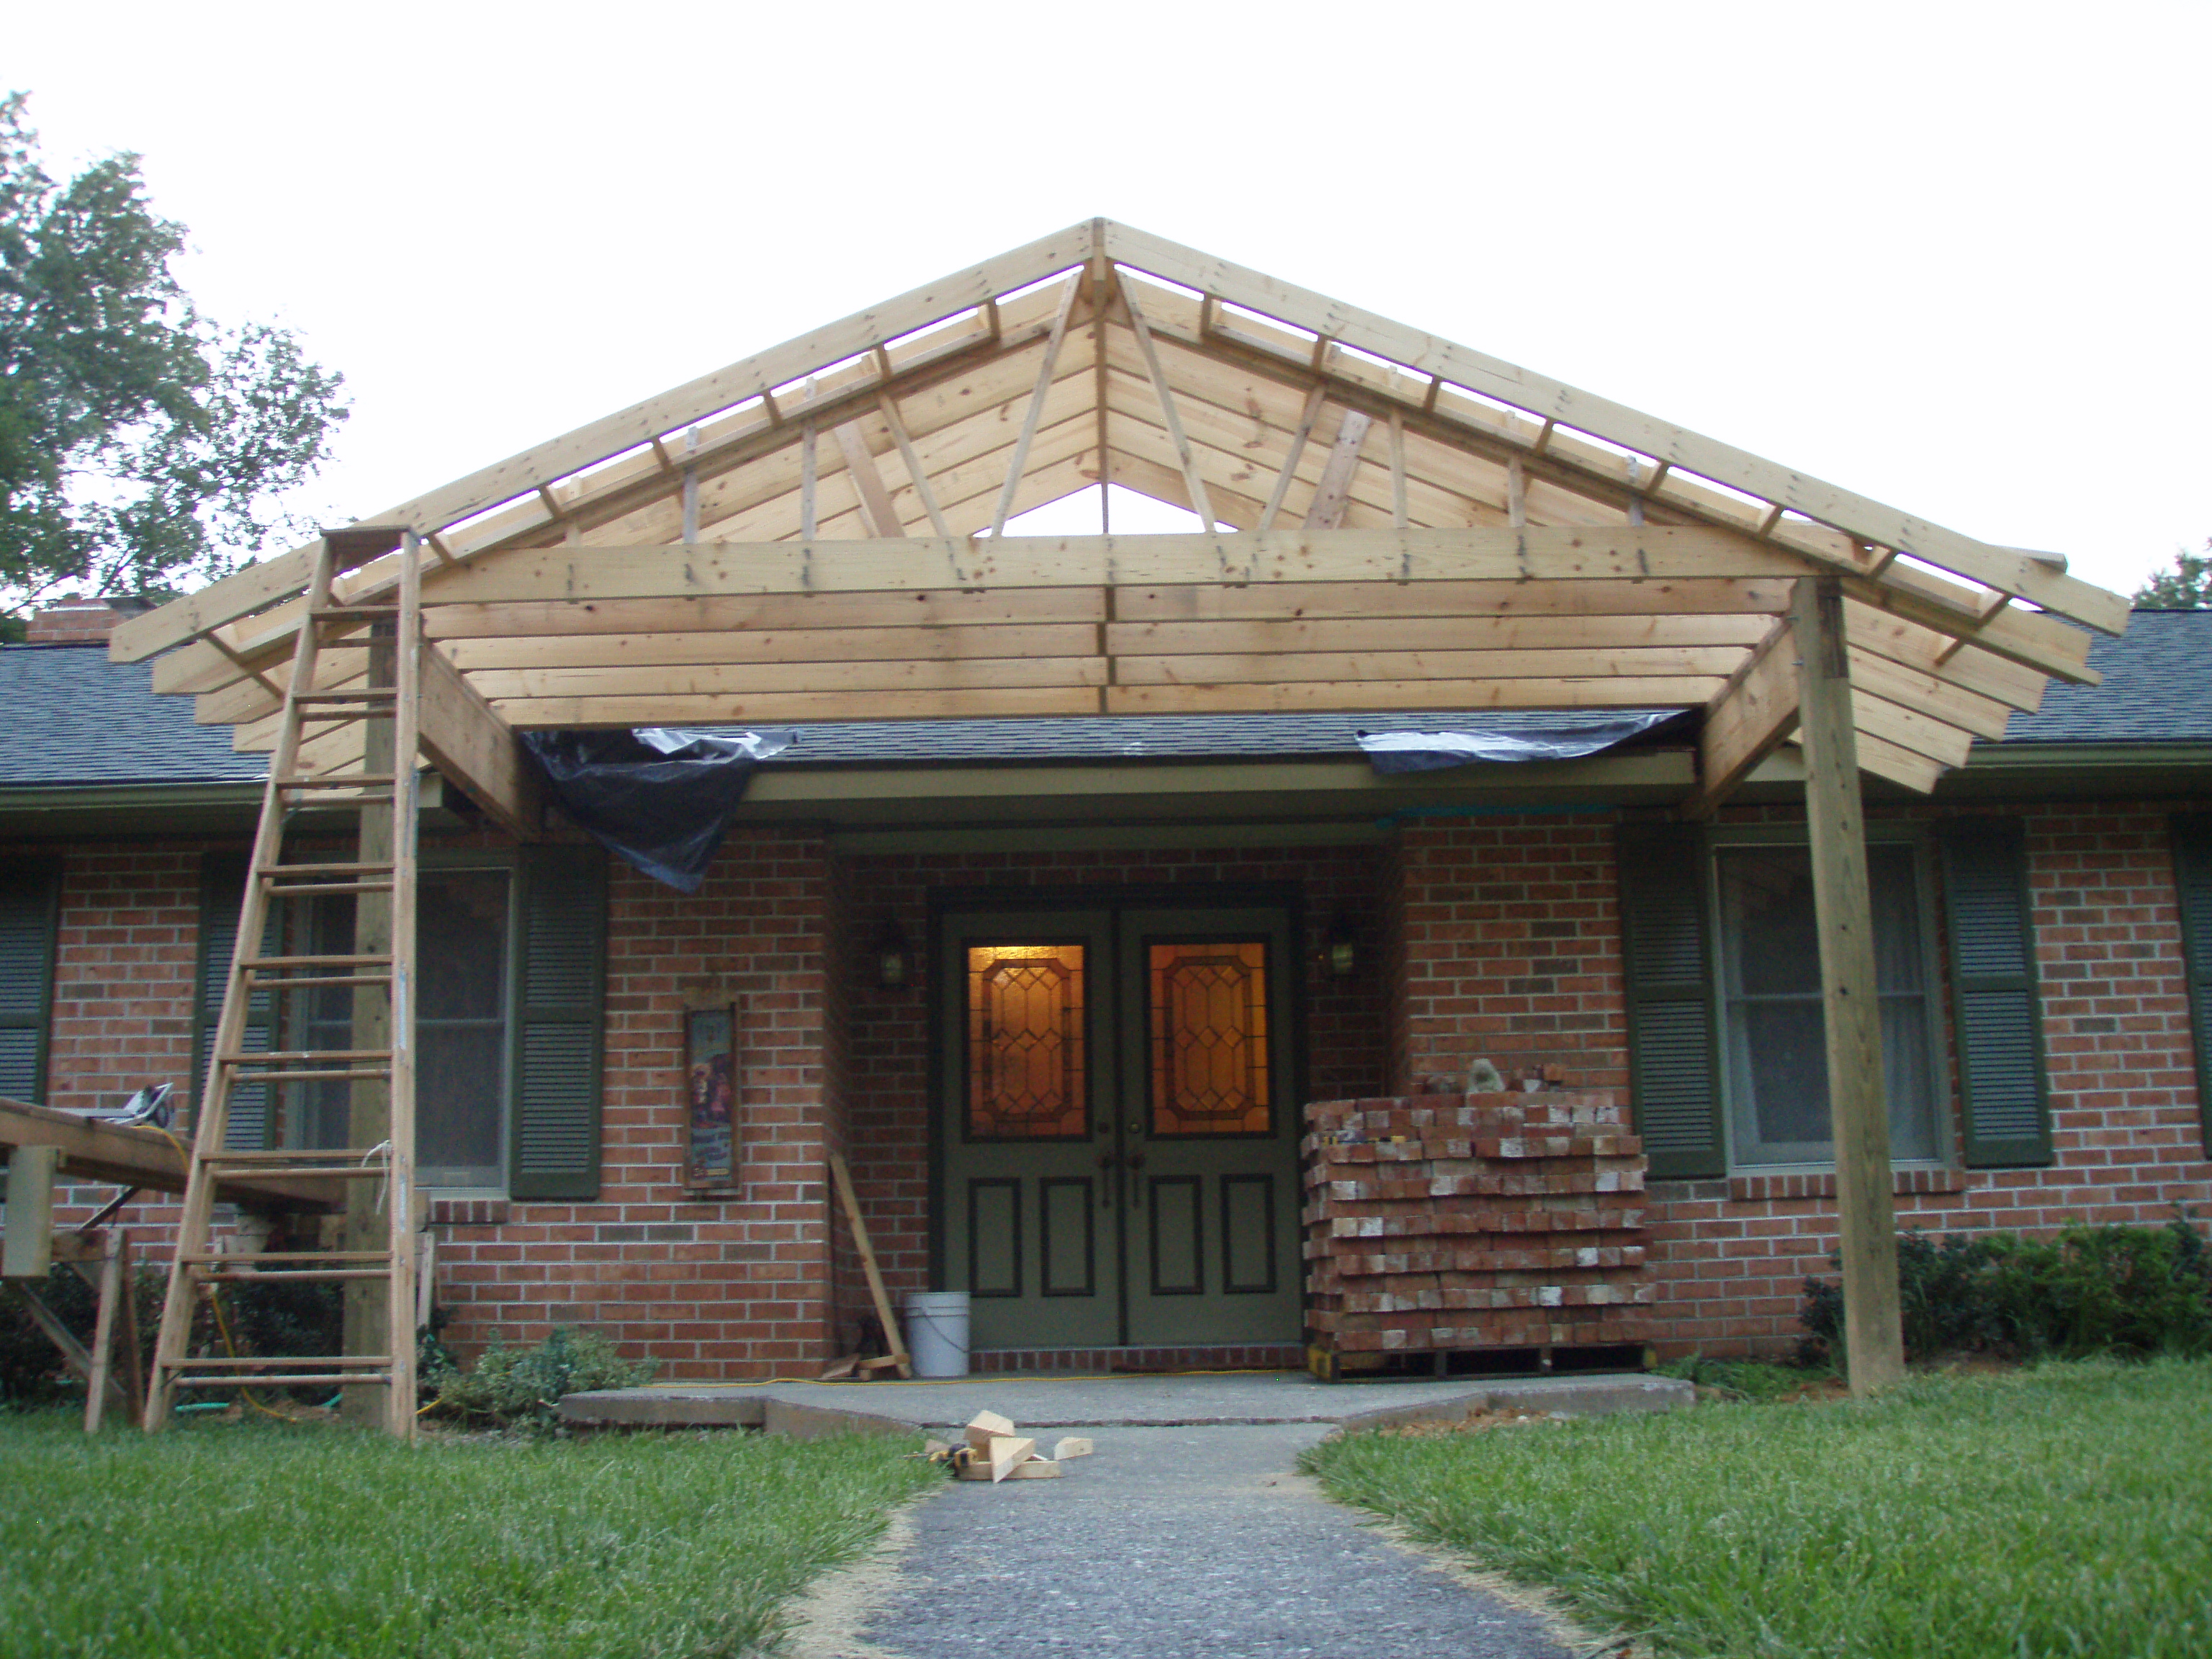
[
  {"x": 2128, "y": 1291},
  {"x": 518, "y": 1387}
]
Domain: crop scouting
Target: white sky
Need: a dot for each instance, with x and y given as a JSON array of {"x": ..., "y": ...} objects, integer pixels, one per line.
[{"x": 1952, "y": 256}]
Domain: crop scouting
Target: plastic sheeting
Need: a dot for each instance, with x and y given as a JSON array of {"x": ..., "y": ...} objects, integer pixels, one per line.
[
  {"x": 659, "y": 798},
  {"x": 1555, "y": 737}
]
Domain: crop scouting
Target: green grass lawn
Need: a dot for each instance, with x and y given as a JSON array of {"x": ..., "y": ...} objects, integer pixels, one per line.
[
  {"x": 2063, "y": 1511},
  {"x": 225, "y": 1540}
]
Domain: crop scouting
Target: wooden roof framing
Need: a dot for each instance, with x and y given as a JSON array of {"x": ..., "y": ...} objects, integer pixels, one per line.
[{"x": 1412, "y": 525}]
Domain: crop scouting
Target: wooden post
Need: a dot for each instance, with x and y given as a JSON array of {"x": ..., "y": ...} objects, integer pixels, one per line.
[
  {"x": 369, "y": 1112},
  {"x": 1874, "y": 1340}
]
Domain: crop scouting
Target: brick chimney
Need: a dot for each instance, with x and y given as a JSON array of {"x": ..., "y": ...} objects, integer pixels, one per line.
[{"x": 73, "y": 621}]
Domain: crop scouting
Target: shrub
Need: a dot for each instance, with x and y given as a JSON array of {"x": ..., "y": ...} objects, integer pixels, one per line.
[
  {"x": 518, "y": 1387},
  {"x": 2128, "y": 1291}
]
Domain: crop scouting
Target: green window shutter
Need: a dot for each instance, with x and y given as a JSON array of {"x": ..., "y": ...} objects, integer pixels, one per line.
[
  {"x": 2192, "y": 880},
  {"x": 30, "y": 897},
  {"x": 1667, "y": 958},
  {"x": 1995, "y": 1013},
  {"x": 560, "y": 1031},
  {"x": 222, "y": 891}
]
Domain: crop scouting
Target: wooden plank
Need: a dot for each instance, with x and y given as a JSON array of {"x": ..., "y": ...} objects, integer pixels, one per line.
[
  {"x": 1382, "y": 696},
  {"x": 944, "y": 643},
  {"x": 1346, "y": 667},
  {"x": 982, "y": 1429},
  {"x": 915, "y": 471},
  {"x": 902, "y": 1362},
  {"x": 476, "y": 750},
  {"x": 1850, "y": 996},
  {"x": 1688, "y": 597},
  {"x": 1300, "y": 633},
  {"x": 27, "y": 1242},
  {"x": 1149, "y": 352},
  {"x": 141, "y": 636},
  {"x": 761, "y": 613},
  {"x": 1972, "y": 669},
  {"x": 1326, "y": 512},
  {"x": 1299, "y": 438},
  {"x": 745, "y": 709},
  {"x": 1007, "y": 1451},
  {"x": 1680, "y": 449},
  {"x": 1073, "y": 1445},
  {"x": 894, "y": 677},
  {"x": 1748, "y": 721},
  {"x": 1578, "y": 554},
  {"x": 1029, "y": 429},
  {"x": 1398, "y": 518},
  {"x": 1984, "y": 717},
  {"x": 123, "y": 1156},
  {"x": 1909, "y": 728},
  {"x": 112, "y": 1287},
  {"x": 877, "y": 512}
]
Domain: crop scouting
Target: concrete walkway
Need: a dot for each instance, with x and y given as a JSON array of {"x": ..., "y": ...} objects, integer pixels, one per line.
[{"x": 1166, "y": 1542}]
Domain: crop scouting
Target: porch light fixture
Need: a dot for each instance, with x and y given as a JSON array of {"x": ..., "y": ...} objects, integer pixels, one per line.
[
  {"x": 891, "y": 964},
  {"x": 1340, "y": 948}
]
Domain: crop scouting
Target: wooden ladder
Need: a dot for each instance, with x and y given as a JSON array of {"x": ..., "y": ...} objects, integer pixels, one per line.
[{"x": 379, "y": 970}]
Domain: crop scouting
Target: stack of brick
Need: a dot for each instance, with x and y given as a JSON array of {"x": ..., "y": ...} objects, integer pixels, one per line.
[{"x": 1453, "y": 1223}]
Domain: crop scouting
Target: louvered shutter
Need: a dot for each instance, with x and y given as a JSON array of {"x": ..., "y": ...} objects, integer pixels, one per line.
[
  {"x": 1667, "y": 957},
  {"x": 1997, "y": 1014},
  {"x": 222, "y": 891},
  {"x": 30, "y": 891},
  {"x": 558, "y": 1037},
  {"x": 2192, "y": 877}
]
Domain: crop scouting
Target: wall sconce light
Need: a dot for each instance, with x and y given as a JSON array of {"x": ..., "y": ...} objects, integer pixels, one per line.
[
  {"x": 892, "y": 958},
  {"x": 1341, "y": 950}
]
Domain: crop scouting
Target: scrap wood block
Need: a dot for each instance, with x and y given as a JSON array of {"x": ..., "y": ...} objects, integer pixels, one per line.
[
  {"x": 1073, "y": 1445},
  {"x": 1006, "y": 1450},
  {"x": 981, "y": 1429}
]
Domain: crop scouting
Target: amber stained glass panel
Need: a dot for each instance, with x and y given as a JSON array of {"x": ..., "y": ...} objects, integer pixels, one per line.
[
  {"x": 1209, "y": 1020},
  {"x": 1025, "y": 1058}
]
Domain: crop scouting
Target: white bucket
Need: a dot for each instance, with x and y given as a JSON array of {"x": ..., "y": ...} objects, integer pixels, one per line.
[{"x": 937, "y": 1332}]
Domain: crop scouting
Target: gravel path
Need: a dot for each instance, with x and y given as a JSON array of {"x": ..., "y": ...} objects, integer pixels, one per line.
[{"x": 1165, "y": 1542}]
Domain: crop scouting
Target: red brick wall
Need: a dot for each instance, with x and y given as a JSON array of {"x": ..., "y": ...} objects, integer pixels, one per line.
[
  {"x": 1732, "y": 1259},
  {"x": 888, "y": 1098},
  {"x": 1511, "y": 934}
]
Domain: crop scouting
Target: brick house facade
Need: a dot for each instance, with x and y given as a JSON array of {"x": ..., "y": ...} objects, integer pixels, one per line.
[{"x": 1493, "y": 933}]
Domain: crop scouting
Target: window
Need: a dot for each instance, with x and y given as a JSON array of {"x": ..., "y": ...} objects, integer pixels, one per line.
[
  {"x": 1774, "y": 1037},
  {"x": 510, "y": 961},
  {"x": 1727, "y": 1057}
]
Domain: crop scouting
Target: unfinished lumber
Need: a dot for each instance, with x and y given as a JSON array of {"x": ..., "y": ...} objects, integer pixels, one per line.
[
  {"x": 1007, "y": 1450},
  {"x": 898, "y": 1359},
  {"x": 1073, "y": 1445},
  {"x": 983, "y": 1427}
]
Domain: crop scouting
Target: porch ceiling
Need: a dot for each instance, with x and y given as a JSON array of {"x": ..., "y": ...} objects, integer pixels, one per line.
[{"x": 808, "y": 535}]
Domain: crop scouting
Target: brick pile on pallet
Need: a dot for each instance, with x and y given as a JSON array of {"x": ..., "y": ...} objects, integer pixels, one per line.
[{"x": 1440, "y": 1224}]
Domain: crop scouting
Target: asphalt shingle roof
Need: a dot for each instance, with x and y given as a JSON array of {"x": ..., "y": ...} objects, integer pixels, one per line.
[{"x": 71, "y": 717}]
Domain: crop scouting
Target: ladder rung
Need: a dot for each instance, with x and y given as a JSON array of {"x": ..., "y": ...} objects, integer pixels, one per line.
[
  {"x": 342, "y": 610},
  {"x": 354, "y": 1074},
  {"x": 314, "y": 962},
  {"x": 337, "y": 780},
  {"x": 303, "y": 1275},
  {"x": 282, "y": 1381},
  {"x": 327, "y": 869},
  {"x": 296, "y": 1155},
  {"x": 271, "y": 1056},
  {"x": 332, "y": 1171},
  {"x": 199, "y": 1257},
  {"x": 242, "y": 1361},
  {"x": 357, "y": 693},
  {"x": 293, "y": 890},
  {"x": 296, "y": 984}
]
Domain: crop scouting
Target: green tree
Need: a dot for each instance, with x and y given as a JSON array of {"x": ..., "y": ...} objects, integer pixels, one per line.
[
  {"x": 2187, "y": 586},
  {"x": 142, "y": 447}
]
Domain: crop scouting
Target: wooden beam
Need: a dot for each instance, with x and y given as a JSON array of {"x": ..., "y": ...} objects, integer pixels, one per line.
[
  {"x": 1348, "y": 667},
  {"x": 914, "y": 469},
  {"x": 1436, "y": 632},
  {"x": 476, "y": 750},
  {"x": 1021, "y": 451},
  {"x": 503, "y": 685},
  {"x": 1398, "y": 520},
  {"x": 1701, "y": 597},
  {"x": 1193, "y": 483},
  {"x": 1294, "y": 455},
  {"x": 124, "y": 1154},
  {"x": 1748, "y": 721},
  {"x": 1849, "y": 994},
  {"x": 1383, "y": 695},
  {"x": 1326, "y": 512},
  {"x": 746, "y": 708},
  {"x": 809, "y": 469},
  {"x": 877, "y": 512},
  {"x": 768, "y": 613},
  {"x": 1552, "y": 400},
  {"x": 944, "y": 641}
]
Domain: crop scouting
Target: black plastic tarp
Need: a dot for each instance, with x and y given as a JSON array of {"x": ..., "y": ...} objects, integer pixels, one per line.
[
  {"x": 1548, "y": 737},
  {"x": 659, "y": 798}
]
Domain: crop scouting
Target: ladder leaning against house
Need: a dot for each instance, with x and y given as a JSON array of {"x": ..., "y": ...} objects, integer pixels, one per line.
[{"x": 320, "y": 701}]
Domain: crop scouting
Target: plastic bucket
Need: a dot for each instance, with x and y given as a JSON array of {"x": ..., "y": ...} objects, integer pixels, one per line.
[{"x": 937, "y": 1332}]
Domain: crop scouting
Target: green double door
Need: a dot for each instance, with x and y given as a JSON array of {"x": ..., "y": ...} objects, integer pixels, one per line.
[{"x": 1118, "y": 1126}]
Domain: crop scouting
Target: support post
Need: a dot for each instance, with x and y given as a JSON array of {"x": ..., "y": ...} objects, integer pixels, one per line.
[
  {"x": 369, "y": 1108},
  {"x": 1874, "y": 1341}
]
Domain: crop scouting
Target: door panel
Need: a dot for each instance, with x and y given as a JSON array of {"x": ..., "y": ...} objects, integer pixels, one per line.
[{"x": 1119, "y": 1155}]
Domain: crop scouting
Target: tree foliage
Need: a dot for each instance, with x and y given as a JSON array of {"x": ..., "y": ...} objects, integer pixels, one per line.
[
  {"x": 142, "y": 447},
  {"x": 2187, "y": 586}
]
